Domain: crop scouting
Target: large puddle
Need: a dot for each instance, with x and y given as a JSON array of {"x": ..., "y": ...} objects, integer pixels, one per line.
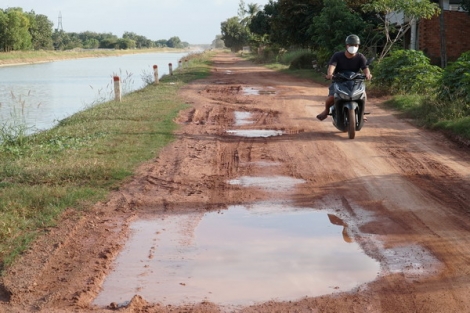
[{"x": 268, "y": 251}]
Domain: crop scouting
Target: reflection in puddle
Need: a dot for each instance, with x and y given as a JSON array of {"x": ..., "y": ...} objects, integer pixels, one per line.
[
  {"x": 236, "y": 257},
  {"x": 273, "y": 183},
  {"x": 243, "y": 118},
  {"x": 253, "y": 133}
]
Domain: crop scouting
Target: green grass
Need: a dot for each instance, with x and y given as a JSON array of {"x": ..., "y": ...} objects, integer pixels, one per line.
[
  {"x": 428, "y": 112},
  {"x": 15, "y": 57},
  {"x": 87, "y": 155},
  {"x": 460, "y": 126}
]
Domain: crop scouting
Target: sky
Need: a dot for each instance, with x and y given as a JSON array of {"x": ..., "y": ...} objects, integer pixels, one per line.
[{"x": 193, "y": 21}]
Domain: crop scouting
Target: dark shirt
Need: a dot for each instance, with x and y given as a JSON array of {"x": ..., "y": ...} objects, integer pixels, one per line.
[{"x": 342, "y": 63}]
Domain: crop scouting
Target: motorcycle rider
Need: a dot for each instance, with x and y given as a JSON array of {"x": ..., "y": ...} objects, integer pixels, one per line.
[{"x": 348, "y": 60}]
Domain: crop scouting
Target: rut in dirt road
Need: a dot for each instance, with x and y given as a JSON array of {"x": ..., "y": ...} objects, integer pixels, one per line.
[{"x": 259, "y": 207}]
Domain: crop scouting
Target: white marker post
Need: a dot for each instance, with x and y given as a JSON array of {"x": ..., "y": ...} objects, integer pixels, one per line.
[
  {"x": 171, "y": 68},
  {"x": 117, "y": 88},
  {"x": 155, "y": 74}
]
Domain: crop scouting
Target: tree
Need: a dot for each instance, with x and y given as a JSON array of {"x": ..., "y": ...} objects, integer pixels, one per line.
[
  {"x": 126, "y": 43},
  {"x": 234, "y": 34},
  {"x": 174, "y": 42},
  {"x": 324, "y": 30},
  {"x": 91, "y": 43},
  {"x": 3, "y": 30},
  {"x": 161, "y": 43},
  {"x": 406, "y": 12},
  {"x": 41, "y": 31},
  {"x": 246, "y": 13},
  {"x": 261, "y": 24},
  {"x": 140, "y": 41},
  {"x": 218, "y": 43},
  {"x": 14, "y": 30},
  {"x": 292, "y": 20}
]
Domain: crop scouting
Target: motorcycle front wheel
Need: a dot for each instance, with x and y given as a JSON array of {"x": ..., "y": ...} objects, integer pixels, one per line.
[{"x": 351, "y": 123}]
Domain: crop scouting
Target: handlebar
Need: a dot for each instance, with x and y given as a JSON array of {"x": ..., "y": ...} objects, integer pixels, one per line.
[{"x": 350, "y": 76}]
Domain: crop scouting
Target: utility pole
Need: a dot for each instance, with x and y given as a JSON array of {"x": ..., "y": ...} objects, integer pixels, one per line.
[
  {"x": 442, "y": 33},
  {"x": 59, "y": 25}
]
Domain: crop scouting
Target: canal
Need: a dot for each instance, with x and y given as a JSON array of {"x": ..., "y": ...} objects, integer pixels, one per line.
[{"x": 38, "y": 96}]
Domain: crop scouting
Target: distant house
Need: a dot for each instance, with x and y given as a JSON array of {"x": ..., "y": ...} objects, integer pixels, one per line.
[
  {"x": 454, "y": 37},
  {"x": 427, "y": 36}
]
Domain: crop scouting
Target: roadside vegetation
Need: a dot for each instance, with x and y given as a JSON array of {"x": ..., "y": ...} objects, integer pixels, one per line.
[
  {"x": 77, "y": 163},
  {"x": 300, "y": 37},
  {"x": 432, "y": 97}
]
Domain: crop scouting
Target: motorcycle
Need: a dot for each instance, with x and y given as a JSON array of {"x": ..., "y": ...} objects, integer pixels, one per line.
[{"x": 349, "y": 104}]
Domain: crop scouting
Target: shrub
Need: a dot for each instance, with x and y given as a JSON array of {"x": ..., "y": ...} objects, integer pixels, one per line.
[
  {"x": 419, "y": 78},
  {"x": 455, "y": 82},
  {"x": 406, "y": 71},
  {"x": 302, "y": 61}
]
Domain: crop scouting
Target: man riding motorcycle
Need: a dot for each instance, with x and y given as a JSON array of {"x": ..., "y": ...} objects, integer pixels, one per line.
[{"x": 349, "y": 60}]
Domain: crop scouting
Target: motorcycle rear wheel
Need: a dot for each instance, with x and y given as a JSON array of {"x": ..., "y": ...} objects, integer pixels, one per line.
[{"x": 351, "y": 125}]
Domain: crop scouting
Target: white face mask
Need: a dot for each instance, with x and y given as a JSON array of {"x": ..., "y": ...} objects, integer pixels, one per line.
[{"x": 352, "y": 49}]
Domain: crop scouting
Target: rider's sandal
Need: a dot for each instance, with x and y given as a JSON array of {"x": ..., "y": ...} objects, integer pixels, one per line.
[{"x": 321, "y": 117}]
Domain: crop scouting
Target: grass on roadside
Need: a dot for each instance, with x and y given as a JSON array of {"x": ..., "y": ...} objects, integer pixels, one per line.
[
  {"x": 87, "y": 155},
  {"x": 429, "y": 112},
  {"x": 17, "y": 57}
]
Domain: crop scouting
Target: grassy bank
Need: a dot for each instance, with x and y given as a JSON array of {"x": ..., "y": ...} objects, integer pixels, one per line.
[
  {"x": 80, "y": 161},
  {"x": 26, "y": 57}
]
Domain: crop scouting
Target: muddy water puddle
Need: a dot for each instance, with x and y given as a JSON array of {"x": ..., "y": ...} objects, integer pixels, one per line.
[
  {"x": 272, "y": 183},
  {"x": 243, "y": 118},
  {"x": 255, "y": 133},
  {"x": 255, "y": 91},
  {"x": 267, "y": 251}
]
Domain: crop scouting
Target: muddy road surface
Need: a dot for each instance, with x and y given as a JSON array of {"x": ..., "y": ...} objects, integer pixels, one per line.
[{"x": 259, "y": 207}]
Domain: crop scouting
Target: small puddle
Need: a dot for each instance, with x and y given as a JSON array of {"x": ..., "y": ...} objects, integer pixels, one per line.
[
  {"x": 252, "y": 91},
  {"x": 243, "y": 118},
  {"x": 254, "y": 133},
  {"x": 272, "y": 183},
  {"x": 237, "y": 257}
]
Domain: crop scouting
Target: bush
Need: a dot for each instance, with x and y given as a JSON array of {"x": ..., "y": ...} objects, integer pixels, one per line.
[
  {"x": 302, "y": 61},
  {"x": 406, "y": 71},
  {"x": 455, "y": 82}
]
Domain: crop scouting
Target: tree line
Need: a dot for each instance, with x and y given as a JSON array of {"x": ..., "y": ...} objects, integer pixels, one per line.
[
  {"x": 322, "y": 25},
  {"x": 21, "y": 30}
]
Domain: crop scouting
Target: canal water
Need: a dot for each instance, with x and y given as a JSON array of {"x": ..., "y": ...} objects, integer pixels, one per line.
[{"x": 40, "y": 95}]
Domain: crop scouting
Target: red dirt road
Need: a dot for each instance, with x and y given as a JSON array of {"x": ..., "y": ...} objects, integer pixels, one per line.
[{"x": 403, "y": 192}]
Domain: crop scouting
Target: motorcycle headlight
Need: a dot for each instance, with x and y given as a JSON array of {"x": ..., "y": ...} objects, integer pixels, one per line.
[{"x": 342, "y": 94}]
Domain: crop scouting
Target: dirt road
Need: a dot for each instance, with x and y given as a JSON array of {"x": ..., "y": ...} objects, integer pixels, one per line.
[{"x": 403, "y": 195}]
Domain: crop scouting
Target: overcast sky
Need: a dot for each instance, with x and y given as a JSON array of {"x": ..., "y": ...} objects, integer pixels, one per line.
[{"x": 193, "y": 21}]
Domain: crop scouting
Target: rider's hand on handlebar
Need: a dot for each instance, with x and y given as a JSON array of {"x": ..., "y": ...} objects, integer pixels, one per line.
[
  {"x": 369, "y": 76},
  {"x": 328, "y": 76}
]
